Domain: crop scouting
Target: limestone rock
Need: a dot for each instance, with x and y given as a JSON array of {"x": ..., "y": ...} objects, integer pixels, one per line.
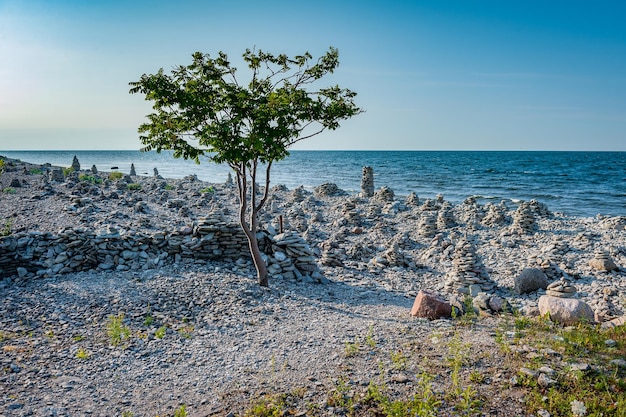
[
  {"x": 75, "y": 164},
  {"x": 431, "y": 306},
  {"x": 567, "y": 311},
  {"x": 529, "y": 280}
]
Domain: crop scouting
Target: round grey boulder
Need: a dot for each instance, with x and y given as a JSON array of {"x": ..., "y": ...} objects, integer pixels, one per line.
[{"x": 529, "y": 280}]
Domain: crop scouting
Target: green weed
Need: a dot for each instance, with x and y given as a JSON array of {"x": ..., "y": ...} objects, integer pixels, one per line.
[
  {"x": 160, "y": 332},
  {"x": 115, "y": 176},
  {"x": 9, "y": 190},
  {"x": 134, "y": 186},
  {"x": 117, "y": 330}
]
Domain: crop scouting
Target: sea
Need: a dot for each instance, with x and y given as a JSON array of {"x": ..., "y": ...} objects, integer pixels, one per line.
[{"x": 582, "y": 184}]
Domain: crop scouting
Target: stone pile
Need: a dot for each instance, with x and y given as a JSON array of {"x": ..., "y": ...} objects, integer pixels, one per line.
[
  {"x": 367, "y": 182},
  {"x": 392, "y": 257},
  {"x": 299, "y": 194},
  {"x": 56, "y": 175},
  {"x": 328, "y": 189},
  {"x": 561, "y": 288},
  {"x": 470, "y": 212},
  {"x": 412, "y": 200},
  {"x": 350, "y": 213},
  {"x": 384, "y": 195},
  {"x": 539, "y": 209},
  {"x": 468, "y": 275},
  {"x": 429, "y": 205},
  {"x": 546, "y": 264},
  {"x": 132, "y": 173},
  {"x": 427, "y": 224},
  {"x": 295, "y": 258},
  {"x": 524, "y": 219},
  {"x": 495, "y": 216},
  {"x": 602, "y": 261},
  {"x": 445, "y": 217},
  {"x": 75, "y": 164}
]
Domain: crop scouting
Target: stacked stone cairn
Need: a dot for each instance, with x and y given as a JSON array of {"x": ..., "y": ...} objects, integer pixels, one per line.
[
  {"x": 445, "y": 217},
  {"x": 350, "y": 213},
  {"x": 471, "y": 213},
  {"x": 545, "y": 263},
  {"x": 412, "y": 200},
  {"x": 523, "y": 219},
  {"x": 75, "y": 164},
  {"x": 602, "y": 261},
  {"x": 332, "y": 253},
  {"x": 299, "y": 194},
  {"x": 427, "y": 224},
  {"x": 429, "y": 205},
  {"x": 133, "y": 173},
  {"x": 392, "y": 257},
  {"x": 468, "y": 274},
  {"x": 367, "y": 182},
  {"x": 496, "y": 215},
  {"x": 56, "y": 175},
  {"x": 328, "y": 189},
  {"x": 561, "y": 288},
  {"x": 94, "y": 170},
  {"x": 292, "y": 258},
  {"x": 384, "y": 195}
]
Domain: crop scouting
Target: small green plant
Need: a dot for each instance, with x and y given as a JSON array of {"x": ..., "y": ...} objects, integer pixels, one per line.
[
  {"x": 89, "y": 178},
  {"x": 35, "y": 171},
  {"x": 186, "y": 331},
  {"x": 7, "y": 229},
  {"x": 128, "y": 414},
  {"x": 2, "y": 165},
  {"x": 168, "y": 187},
  {"x": 208, "y": 190},
  {"x": 9, "y": 190},
  {"x": 134, "y": 186},
  {"x": 77, "y": 337},
  {"x": 82, "y": 354},
  {"x": 117, "y": 330},
  {"x": 148, "y": 321},
  {"x": 181, "y": 411},
  {"x": 399, "y": 360},
  {"x": 115, "y": 176},
  {"x": 160, "y": 332},
  {"x": 268, "y": 406},
  {"x": 67, "y": 171},
  {"x": 351, "y": 349},
  {"x": 369, "y": 338},
  {"x": 476, "y": 377}
]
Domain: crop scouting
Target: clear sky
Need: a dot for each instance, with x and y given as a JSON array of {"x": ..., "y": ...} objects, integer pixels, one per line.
[{"x": 453, "y": 74}]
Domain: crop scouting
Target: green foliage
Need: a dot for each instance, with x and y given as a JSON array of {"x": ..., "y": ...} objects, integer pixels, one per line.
[
  {"x": 35, "y": 171},
  {"x": 601, "y": 389},
  {"x": 90, "y": 178},
  {"x": 160, "y": 332},
  {"x": 7, "y": 228},
  {"x": 351, "y": 349},
  {"x": 209, "y": 190},
  {"x": 82, "y": 354},
  {"x": 9, "y": 190},
  {"x": 67, "y": 171},
  {"x": 168, "y": 187},
  {"x": 117, "y": 330},
  {"x": 181, "y": 411},
  {"x": 134, "y": 186},
  {"x": 148, "y": 321},
  {"x": 115, "y": 176},
  {"x": 128, "y": 414},
  {"x": 2, "y": 165}
]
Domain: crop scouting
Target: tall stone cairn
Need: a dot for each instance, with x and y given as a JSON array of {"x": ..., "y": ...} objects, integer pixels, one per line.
[
  {"x": 524, "y": 219},
  {"x": 468, "y": 274},
  {"x": 367, "y": 182},
  {"x": 75, "y": 164},
  {"x": 132, "y": 170},
  {"x": 445, "y": 218}
]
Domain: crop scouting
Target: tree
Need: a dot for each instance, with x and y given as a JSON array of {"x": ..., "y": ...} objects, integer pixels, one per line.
[{"x": 203, "y": 110}]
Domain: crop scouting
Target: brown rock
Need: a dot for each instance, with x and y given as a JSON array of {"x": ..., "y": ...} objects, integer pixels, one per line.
[{"x": 431, "y": 306}]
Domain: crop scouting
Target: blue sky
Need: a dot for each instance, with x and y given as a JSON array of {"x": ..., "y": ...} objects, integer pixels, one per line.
[{"x": 510, "y": 75}]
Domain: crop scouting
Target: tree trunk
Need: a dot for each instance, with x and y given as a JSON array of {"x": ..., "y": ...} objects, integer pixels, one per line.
[{"x": 259, "y": 263}]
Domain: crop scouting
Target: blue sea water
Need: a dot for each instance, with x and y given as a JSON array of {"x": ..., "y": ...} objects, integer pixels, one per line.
[{"x": 573, "y": 183}]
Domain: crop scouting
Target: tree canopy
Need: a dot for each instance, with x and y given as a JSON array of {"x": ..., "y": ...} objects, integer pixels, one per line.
[{"x": 202, "y": 109}]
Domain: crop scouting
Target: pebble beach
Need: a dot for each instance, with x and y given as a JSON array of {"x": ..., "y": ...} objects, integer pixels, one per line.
[{"x": 165, "y": 257}]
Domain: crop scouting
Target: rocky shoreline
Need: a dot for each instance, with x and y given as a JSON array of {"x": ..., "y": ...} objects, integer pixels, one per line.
[{"x": 83, "y": 246}]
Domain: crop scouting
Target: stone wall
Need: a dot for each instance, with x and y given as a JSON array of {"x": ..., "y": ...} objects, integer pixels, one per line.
[{"x": 37, "y": 254}]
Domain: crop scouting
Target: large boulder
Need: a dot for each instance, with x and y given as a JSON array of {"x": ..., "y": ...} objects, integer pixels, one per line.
[
  {"x": 431, "y": 306},
  {"x": 529, "y": 280},
  {"x": 567, "y": 311}
]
